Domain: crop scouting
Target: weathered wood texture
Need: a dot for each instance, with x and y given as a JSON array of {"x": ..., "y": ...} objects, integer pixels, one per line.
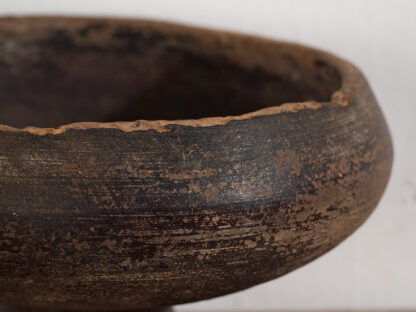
[{"x": 144, "y": 214}]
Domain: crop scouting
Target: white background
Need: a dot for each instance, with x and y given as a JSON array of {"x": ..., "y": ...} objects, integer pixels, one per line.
[{"x": 376, "y": 267}]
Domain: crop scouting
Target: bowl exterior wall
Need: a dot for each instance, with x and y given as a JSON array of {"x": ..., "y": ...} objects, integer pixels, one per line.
[{"x": 100, "y": 219}]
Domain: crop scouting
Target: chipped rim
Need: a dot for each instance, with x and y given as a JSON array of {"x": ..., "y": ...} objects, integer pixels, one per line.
[{"x": 349, "y": 73}]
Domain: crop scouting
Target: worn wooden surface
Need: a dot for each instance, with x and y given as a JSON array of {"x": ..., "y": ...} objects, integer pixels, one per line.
[{"x": 117, "y": 214}]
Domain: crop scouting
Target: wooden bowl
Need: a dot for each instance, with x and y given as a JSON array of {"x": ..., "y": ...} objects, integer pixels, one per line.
[{"x": 145, "y": 164}]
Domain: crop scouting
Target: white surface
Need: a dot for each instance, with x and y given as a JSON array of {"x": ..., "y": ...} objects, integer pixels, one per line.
[{"x": 376, "y": 267}]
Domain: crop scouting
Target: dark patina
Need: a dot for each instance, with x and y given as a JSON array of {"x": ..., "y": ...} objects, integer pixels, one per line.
[{"x": 145, "y": 164}]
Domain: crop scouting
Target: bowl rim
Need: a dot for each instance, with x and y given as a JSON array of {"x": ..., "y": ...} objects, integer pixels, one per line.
[{"x": 349, "y": 73}]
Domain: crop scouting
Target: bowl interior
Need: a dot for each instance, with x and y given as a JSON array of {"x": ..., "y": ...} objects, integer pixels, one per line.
[{"x": 52, "y": 74}]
